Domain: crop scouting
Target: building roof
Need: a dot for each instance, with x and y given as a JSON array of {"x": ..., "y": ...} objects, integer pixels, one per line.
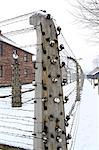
[
  {"x": 12, "y": 43},
  {"x": 94, "y": 71}
]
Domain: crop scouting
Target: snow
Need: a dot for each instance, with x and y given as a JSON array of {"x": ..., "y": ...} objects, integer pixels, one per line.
[
  {"x": 40, "y": 13},
  {"x": 88, "y": 131},
  {"x": 5, "y": 39},
  {"x": 16, "y": 124}
]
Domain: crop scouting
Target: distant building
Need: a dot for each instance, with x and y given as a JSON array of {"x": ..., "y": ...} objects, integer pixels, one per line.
[
  {"x": 94, "y": 74},
  {"x": 94, "y": 71},
  {"x": 7, "y": 48}
]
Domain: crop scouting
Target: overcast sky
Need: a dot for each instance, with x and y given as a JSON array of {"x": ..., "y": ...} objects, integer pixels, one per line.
[{"x": 76, "y": 36}]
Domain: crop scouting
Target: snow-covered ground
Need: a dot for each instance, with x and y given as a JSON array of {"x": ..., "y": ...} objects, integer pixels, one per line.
[
  {"x": 88, "y": 130},
  {"x": 16, "y": 124}
]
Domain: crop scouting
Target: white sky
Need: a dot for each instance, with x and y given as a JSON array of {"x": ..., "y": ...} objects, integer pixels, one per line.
[{"x": 76, "y": 36}]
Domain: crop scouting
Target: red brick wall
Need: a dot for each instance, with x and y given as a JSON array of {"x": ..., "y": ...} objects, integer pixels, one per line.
[{"x": 6, "y": 61}]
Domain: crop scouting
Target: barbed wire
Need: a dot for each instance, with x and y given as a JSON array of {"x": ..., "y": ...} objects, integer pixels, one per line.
[
  {"x": 15, "y": 19},
  {"x": 75, "y": 131},
  {"x": 29, "y": 120},
  {"x": 12, "y": 141},
  {"x": 17, "y": 135},
  {"x": 14, "y": 128},
  {"x": 19, "y": 123},
  {"x": 17, "y": 116}
]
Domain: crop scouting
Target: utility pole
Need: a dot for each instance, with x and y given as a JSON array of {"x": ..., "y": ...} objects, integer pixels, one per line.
[
  {"x": 49, "y": 125},
  {"x": 16, "y": 86},
  {"x": 81, "y": 77},
  {"x": 77, "y": 78},
  {"x": 93, "y": 83},
  {"x": 78, "y": 82}
]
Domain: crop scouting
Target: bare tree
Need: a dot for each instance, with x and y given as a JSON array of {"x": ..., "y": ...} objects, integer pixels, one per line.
[{"x": 89, "y": 13}]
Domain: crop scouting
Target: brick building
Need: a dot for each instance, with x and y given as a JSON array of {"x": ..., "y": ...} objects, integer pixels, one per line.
[{"x": 7, "y": 48}]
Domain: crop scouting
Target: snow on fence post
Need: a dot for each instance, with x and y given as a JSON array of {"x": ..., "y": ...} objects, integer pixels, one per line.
[
  {"x": 49, "y": 125},
  {"x": 16, "y": 86}
]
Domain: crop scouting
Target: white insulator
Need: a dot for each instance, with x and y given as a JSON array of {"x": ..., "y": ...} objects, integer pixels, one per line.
[
  {"x": 59, "y": 148},
  {"x": 59, "y": 139},
  {"x": 59, "y": 129},
  {"x": 54, "y": 80},
  {"x": 44, "y": 99},
  {"x": 56, "y": 100},
  {"x": 44, "y": 139},
  {"x": 52, "y": 43},
  {"x": 53, "y": 61}
]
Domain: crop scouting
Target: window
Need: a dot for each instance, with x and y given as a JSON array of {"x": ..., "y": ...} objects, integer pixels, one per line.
[
  {"x": 1, "y": 71},
  {"x": 25, "y": 57},
  {"x": 1, "y": 49},
  {"x": 26, "y": 72}
]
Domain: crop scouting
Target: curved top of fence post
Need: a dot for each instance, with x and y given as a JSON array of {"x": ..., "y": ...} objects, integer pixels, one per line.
[{"x": 37, "y": 16}]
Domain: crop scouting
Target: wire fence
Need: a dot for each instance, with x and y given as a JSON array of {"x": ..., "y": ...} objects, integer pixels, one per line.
[{"x": 17, "y": 124}]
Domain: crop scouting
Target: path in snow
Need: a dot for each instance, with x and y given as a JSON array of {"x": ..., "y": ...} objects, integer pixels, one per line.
[{"x": 88, "y": 131}]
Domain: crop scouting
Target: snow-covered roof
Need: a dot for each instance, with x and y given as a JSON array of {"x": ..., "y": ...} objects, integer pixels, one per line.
[
  {"x": 9, "y": 41},
  {"x": 96, "y": 70}
]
